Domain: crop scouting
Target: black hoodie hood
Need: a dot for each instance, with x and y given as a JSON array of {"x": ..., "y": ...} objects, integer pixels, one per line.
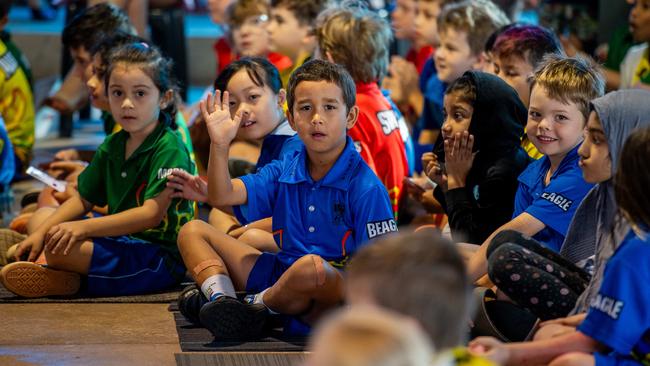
[{"x": 498, "y": 119}]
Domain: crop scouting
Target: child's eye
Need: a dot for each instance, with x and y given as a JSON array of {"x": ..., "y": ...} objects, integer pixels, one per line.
[
  {"x": 497, "y": 70},
  {"x": 254, "y": 97},
  {"x": 116, "y": 93},
  {"x": 458, "y": 116},
  {"x": 232, "y": 104},
  {"x": 561, "y": 117},
  {"x": 329, "y": 107},
  {"x": 596, "y": 140},
  {"x": 140, "y": 93},
  {"x": 511, "y": 74},
  {"x": 305, "y": 108},
  {"x": 534, "y": 115}
]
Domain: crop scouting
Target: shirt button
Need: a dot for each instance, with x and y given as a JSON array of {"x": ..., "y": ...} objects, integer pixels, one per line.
[
  {"x": 312, "y": 229},
  {"x": 123, "y": 174},
  {"x": 312, "y": 208}
]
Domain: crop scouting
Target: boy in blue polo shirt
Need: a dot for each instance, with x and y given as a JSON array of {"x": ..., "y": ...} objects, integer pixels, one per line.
[
  {"x": 551, "y": 188},
  {"x": 616, "y": 330},
  {"x": 325, "y": 203}
]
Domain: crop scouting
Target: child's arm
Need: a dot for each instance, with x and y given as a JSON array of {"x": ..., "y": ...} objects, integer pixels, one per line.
[
  {"x": 222, "y": 191},
  {"x": 532, "y": 353},
  {"x": 73, "y": 208},
  {"x": 63, "y": 236},
  {"x": 524, "y": 223}
]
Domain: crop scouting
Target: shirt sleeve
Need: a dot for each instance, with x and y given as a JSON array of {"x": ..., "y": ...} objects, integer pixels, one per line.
[
  {"x": 373, "y": 216},
  {"x": 261, "y": 190},
  {"x": 558, "y": 202},
  {"x": 91, "y": 183},
  {"x": 163, "y": 162},
  {"x": 619, "y": 315}
]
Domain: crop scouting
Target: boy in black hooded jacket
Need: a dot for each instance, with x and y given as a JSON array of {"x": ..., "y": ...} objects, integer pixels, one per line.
[{"x": 477, "y": 163}]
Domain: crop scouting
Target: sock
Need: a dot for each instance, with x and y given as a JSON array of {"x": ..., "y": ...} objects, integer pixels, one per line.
[
  {"x": 216, "y": 286},
  {"x": 259, "y": 299}
]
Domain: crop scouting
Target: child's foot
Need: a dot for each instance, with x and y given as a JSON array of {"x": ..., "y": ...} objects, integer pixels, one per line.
[
  {"x": 230, "y": 319},
  {"x": 8, "y": 238},
  {"x": 190, "y": 302},
  {"x": 28, "y": 279}
]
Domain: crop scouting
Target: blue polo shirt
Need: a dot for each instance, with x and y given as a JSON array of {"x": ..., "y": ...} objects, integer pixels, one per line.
[
  {"x": 332, "y": 217},
  {"x": 280, "y": 142},
  {"x": 555, "y": 204},
  {"x": 619, "y": 316}
]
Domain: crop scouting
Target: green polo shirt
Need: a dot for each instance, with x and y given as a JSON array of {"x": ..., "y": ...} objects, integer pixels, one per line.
[{"x": 124, "y": 184}]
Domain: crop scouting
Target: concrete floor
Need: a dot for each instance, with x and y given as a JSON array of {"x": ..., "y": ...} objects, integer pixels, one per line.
[{"x": 87, "y": 334}]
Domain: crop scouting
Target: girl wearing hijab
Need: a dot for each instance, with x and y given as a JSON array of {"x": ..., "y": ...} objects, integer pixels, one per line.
[
  {"x": 547, "y": 283},
  {"x": 481, "y": 149}
]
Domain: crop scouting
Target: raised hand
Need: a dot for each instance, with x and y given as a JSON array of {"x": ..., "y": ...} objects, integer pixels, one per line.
[
  {"x": 187, "y": 186},
  {"x": 222, "y": 128},
  {"x": 459, "y": 158}
]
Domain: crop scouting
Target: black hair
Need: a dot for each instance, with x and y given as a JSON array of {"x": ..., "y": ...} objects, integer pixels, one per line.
[
  {"x": 107, "y": 45},
  {"x": 320, "y": 70},
  {"x": 151, "y": 61},
  {"x": 259, "y": 70},
  {"x": 632, "y": 179},
  {"x": 87, "y": 28},
  {"x": 465, "y": 88}
]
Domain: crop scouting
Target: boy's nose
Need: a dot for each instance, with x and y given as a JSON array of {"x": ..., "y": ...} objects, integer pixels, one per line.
[
  {"x": 316, "y": 119},
  {"x": 127, "y": 103}
]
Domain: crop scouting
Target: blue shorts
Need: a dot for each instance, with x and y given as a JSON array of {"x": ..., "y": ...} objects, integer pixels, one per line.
[
  {"x": 613, "y": 359},
  {"x": 266, "y": 271},
  {"x": 123, "y": 265}
]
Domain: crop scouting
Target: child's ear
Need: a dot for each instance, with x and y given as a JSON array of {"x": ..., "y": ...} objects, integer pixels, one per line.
[
  {"x": 166, "y": 98},
  {"x": 290, "y": 119},
  {"x": 352, "y": 117},
  {"x": 282, "y": 97},
  {"x": 481, "y": 59}
]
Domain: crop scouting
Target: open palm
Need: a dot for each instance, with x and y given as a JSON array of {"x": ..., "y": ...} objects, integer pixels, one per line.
[{"x": 222, "y": 128}]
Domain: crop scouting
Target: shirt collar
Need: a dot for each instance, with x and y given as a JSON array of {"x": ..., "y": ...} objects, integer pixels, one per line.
[
  {"x": 339, "y": 175},
  {"x": 367, "y": 88},
  {"x": 116, "y": 150},
  {"x": 283, "y": 129}
]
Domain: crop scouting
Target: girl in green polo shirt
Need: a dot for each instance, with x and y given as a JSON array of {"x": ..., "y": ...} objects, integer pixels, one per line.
[{"x": 133, "y": 248}]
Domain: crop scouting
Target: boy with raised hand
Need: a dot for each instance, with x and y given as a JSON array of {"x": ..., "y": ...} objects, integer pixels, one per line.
[
  {"x": 292, "y": 31},
  {"x": 517, "y": 52},
  {"x": 325, "y": 202},
  {"x": 359, "y": 40}
]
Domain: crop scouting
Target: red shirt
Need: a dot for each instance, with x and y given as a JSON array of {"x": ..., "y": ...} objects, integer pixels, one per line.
[
  {"x": 419, "y": 57},
  {"x": 377, "y": 138},
  {"x": 225, "y": 55}
]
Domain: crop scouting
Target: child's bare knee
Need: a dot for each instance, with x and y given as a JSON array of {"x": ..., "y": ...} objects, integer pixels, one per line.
[
  {"x": 191, "y": 230},
  {"x": 314, "y": 266}
]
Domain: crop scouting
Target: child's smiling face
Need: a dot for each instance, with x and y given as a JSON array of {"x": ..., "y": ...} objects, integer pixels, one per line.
[
  {"x": 261, "y": 108},
  {"x": 320, "y": 116},
  {"x": 553, "y": 126}
]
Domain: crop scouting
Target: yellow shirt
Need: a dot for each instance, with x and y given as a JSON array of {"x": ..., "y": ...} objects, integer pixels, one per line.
[{"x": 16, "y": 105}]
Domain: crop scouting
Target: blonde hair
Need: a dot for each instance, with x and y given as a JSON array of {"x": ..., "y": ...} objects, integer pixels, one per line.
[
  {"x": 369, "y": 336},
  {"x": 356, "y": 38},
  {"x": 478, "y": 18},
  {"x": 570, "y": 79}
]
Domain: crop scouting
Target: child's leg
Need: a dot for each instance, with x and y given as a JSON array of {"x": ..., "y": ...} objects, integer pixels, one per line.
[
  {"x": 222, "y": 221},
  {"x": 208, "y": 252},
  {"x": 574, "y": 359},
  {"x": 259, "y": 239},
  {"x": 309, "y": 286}
]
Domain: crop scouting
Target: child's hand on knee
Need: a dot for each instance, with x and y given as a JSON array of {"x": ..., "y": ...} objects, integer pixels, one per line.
[
  {"x": 490, "y": 348},
  {"x": 62, "y": 237},
  {"x": 33, "y": 245}
]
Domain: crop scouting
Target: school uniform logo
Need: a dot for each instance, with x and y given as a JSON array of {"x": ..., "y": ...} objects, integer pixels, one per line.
[
  {"x": 164, "y": 172},
  {"x": 339, "y": 211},
  {"x": 388, "y": 121},
  {"x": 379, "y": 228},
  {"x": 608, "y": 305},
  {"x": 557, "y": 199}
]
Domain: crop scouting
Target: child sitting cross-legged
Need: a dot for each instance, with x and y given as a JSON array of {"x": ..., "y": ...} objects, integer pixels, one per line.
[
  {"x": 133, "y": 248},
  {"x": 325, "y": 202}
]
